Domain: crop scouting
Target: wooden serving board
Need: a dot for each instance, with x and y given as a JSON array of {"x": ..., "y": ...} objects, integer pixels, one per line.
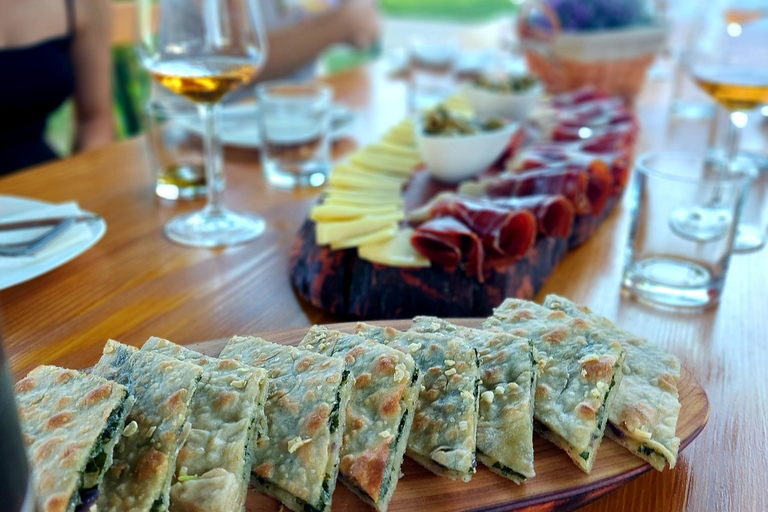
[{"x": 558, "y": 485}]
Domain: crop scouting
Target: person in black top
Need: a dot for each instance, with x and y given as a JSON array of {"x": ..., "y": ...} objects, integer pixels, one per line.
[{"x": 51, "y": 50}]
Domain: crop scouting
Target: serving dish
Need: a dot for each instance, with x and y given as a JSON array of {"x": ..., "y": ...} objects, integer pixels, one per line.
[
  {"x": 454, "y": 159},
  {"x": 558, "y": 484},
  {"x": 70, "y": 245},
  {"x": 513, "y": 105}
]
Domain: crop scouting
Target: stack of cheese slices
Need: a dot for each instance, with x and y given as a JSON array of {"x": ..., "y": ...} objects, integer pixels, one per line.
[
  {"x": 166, "y": 428},
  {"x": 362, "y": 206}
]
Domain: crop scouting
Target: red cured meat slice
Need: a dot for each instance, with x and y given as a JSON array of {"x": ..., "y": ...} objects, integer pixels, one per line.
[
  {"x": 600, "y": 185},
  {"x": 447, "y": 242},
  {"x": 554, "y": 214},
  {"x": 577, "y": 97},
  {"x": 572, "y": 183},
  {"x": 505, "y": 233}
]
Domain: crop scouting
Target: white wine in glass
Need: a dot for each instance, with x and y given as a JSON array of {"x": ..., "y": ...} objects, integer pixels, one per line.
[
  {"x": 729, "y": 61},
  {"x": 203, "y": 50}
]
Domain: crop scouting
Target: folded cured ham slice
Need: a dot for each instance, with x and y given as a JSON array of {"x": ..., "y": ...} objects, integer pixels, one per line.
[
  {"x": 447, "y": 242},
  {"x": 588, "y": 189},
  {"x": 571, "y": 155},
  {"x": 554, "y": 213}
]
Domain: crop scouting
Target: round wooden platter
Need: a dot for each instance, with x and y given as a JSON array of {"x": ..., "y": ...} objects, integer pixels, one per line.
[{"x": 558, "y": 485}]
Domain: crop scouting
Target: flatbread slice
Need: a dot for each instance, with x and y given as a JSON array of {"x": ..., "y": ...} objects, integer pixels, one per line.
[
  {"x": 379, "y": 413},
  {"x": 224, "y": 414},
  {"x": 443, "y": 434},
  {"x": 145, "y": 457},
  {"x": 578, "y": 375},
  {"x": 508, "y": 384},
  {"x": 306, "y": 405},
  {"x": 644, "y": 412},
  {"x": 71, "y": 423}
]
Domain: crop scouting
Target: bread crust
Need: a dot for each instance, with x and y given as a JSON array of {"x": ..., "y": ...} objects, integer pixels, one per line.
[
  {"x": 579, "y": 371},
  {"x": 63, "y": 413},
  {"x": 141, "y": 474},
  {"x": 443, "y": 435},
  {"x": 228, "y": 404},
  {"x": 379, "y": 413},
  {"x": 306, "y": 401},
  {"x": 508, "y": 381},
  {"x": 643, "y": 416}
]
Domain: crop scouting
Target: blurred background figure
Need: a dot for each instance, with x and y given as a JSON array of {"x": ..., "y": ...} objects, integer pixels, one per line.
[
  {"x": 51, "y": 50},
  {"x": 300, "y": 30}
]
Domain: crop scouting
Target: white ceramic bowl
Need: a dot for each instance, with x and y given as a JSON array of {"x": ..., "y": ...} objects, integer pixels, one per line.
[
  {"x": 511, "y": 105},
  {"x": 455, "y": 158}
]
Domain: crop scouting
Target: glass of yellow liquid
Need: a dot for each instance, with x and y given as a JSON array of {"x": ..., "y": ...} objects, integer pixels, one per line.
[
  {"x": 203, "y": 50},
  {"x": 728, "y": 60}
]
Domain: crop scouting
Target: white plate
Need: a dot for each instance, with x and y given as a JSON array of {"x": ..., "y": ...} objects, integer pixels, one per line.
[
  {"x": 72, "y": 243},
  {"x": 238, "y": 125}
]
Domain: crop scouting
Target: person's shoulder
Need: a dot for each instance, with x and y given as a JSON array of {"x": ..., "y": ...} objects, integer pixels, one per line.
[{"x": 90, "y": 14}]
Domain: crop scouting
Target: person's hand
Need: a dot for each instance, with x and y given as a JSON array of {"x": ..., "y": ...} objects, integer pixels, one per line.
[{"x": 361, "y": 22}]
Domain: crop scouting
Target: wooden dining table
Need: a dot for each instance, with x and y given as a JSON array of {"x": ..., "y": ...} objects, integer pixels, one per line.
[{"x": 135, "y": 284}]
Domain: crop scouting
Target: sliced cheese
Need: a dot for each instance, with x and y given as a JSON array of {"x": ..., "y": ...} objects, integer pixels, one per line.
[
  {"x": 373, "y": 196},
  {"x": 333, "y": 232},
  {"x": 357, "y": 200},
  {"x": 372, "y": 238},
  {"x": 333, "y": 212},
  {"x": 357, "y": 181},
  {"x": 395, "y": 252},
  {"x": 385, "y": 148},
  {"x": 367, "y": 172},
  {"x": 407, "y": 140},
  {"x": 384, "y": 163}
]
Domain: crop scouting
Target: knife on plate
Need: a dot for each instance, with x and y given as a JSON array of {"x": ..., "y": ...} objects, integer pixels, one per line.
[{"x": 42, "y": 223}]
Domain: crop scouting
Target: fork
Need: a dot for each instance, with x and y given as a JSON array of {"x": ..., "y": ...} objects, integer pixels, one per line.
[{"x": 36, "y": 244}]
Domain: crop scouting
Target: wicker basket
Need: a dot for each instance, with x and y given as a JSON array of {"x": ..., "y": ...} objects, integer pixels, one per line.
[{"x": 613, "y": 61}]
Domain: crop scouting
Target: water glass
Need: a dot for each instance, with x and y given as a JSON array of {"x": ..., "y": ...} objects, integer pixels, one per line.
[
  {"x": 432, "y": 71},
  {"x": 294, "y": 124},
  {"x": 175, "y": 147},
  {"x": 665, "y": 264}
]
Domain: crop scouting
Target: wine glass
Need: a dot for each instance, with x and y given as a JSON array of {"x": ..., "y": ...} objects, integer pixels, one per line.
[
  {"x": 728, "y": 60},
  {"x": 202, "y": 50}
]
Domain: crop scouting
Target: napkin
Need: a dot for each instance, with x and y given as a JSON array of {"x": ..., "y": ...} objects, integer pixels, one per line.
[{"x": 63, "y": 248}]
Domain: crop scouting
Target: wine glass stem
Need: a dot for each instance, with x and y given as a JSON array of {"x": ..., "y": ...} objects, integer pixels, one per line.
[{"x": 213, "y": 168}]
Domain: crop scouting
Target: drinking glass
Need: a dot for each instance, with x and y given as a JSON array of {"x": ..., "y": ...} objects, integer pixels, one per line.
[
  {"x": 432, "y": 69},
  {"x": 728, "y": 59},
  {"x": 202, "y": 50},
  {"x": 294, "y": 123},
  {"x": 175, "y": 148},
  {"x": 662, "y": 264}
]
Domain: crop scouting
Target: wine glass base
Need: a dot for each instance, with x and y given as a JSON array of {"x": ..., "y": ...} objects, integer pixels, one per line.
[
  {"x": 748, "y": 239},
  {"x": 700, "y": 223},
  {"x": 214, "y": 228}
]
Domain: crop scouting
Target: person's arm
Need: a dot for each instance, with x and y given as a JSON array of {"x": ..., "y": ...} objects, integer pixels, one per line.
[
  {"x": 355, "y": 22},
  {"x": 91, "y": 59}
]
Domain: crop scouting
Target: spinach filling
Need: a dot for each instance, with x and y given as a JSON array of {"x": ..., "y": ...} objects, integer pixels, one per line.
[
  {"x": 509, "y": 472},
  {"x": 400, "y": 428},
  {"x": 337, "y": 403},
  {"x": 97, "y": 460},
  {"x": 602, "y": 413},
  {"x": 325, "y": 495},
  {"x": 157, "y": 506},
  {"x": 584, "y": 455},
  {"x": 647, "y": 451}
]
